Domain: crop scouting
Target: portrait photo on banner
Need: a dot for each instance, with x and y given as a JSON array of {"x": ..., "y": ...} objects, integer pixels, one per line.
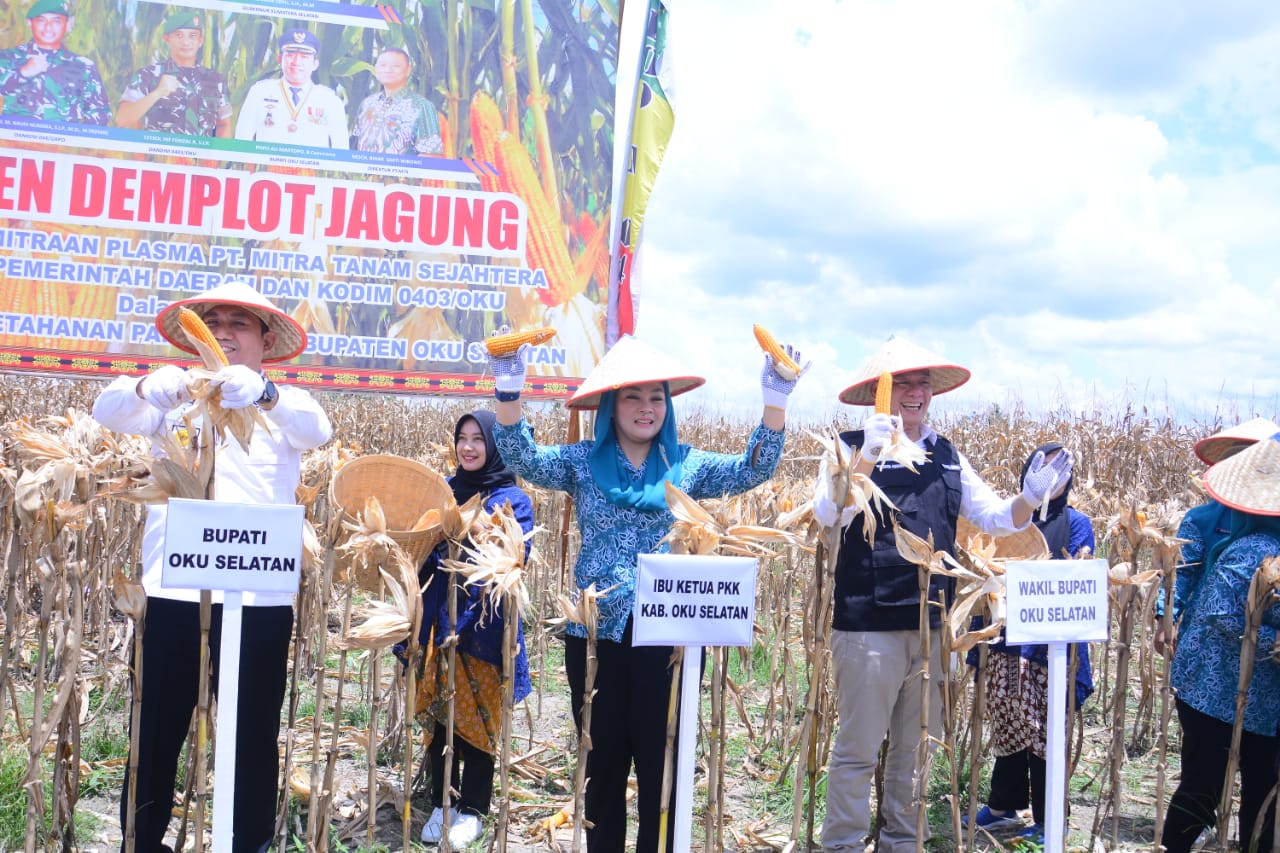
[{"x": 402, "y": 178}]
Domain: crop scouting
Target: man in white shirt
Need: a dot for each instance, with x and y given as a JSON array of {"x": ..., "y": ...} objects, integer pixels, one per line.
[
  {"x": 875, "y": 642},
  {"x": 251, "y": 331},
  {"x": 290, "y": 108}
]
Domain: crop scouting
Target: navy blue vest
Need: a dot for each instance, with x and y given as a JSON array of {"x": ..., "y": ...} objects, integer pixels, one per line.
[{"x": 876, "y": 589}]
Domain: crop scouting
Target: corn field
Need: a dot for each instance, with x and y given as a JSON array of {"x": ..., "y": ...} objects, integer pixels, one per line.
[{"x": 352, "y": 759}]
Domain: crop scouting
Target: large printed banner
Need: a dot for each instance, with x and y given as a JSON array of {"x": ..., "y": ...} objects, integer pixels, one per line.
[{"x": 402, "y": 178}]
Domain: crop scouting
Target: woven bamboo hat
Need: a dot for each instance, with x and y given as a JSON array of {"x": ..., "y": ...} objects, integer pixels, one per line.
[
  {"x": 1250, "y": 480},
  {"x": 898, "y": 355},
  {"x": 291, "y": 338},
  {"x": 1232, "y": 440},
  {"x": 632, "y": 362}
]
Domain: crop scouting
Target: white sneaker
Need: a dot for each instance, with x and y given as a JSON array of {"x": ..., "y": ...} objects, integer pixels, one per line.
[
  {"x": 465, "y": 829},
  {"x": 434, "y": 827}
]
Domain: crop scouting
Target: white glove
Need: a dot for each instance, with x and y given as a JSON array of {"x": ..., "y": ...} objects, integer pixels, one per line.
[
  {"x": 877, "y": 430},
  {"x": 825, "y": 510},
  {"x": 1043, "y": 478},
  {"x": 776, "y": 388},
  {"x": 166, "y": 388},
  {"x": 508, "y": 370},
  {"x": 241, "y": 386}
]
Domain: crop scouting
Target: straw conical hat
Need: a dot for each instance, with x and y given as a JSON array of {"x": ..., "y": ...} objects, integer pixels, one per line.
[
  {"x": 632, "y": 362},
  {"x": 291, "y": 338},
  {"x": 1232, "y": 440},
  {"x": 1250, "y": 480},
  {"x": 898, "y": 355}
]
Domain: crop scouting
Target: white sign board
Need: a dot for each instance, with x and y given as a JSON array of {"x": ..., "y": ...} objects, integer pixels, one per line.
[
  {"x": 1056, "y": 601},
  {"x": 232, "y": 547},
  {"x": 684, "y": 600}
]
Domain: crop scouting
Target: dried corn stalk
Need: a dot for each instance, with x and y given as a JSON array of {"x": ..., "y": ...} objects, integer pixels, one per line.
[
  {"x": 583, "y": 610},
  {"x": 385, "y": 623},
  {"x": 699, "y": 531},
  {"x": 848, "y": 488},
  {"x": 1262, "y": 595}
]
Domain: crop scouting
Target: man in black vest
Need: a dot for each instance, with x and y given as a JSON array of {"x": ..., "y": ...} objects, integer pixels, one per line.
[{"x": 875, "y": 646}]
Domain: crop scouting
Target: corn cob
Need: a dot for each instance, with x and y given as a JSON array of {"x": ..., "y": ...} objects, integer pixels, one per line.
[
  {"x": 545, "y": 246},
  {"x": 486, "y": 124},
  {"x": 198, "y": 333},
  {"x": 783, "y": 363},
  {"x": 90, "y": 300},
  {"x": 884, "y": 394},
  {"x": 511, "y": 342},
  {"x": 96, "y": 301}
]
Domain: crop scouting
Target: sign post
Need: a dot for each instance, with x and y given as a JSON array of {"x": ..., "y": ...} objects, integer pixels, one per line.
[
  {"x": 692, "y": 601},
  {"x": 235, "y": 548},
  {"x": 1056, "y": 602}
]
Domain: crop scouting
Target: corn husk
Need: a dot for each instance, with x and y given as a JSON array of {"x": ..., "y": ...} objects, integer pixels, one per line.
[
  {"x": 699, "y": 531},
  {"x": 848, "y": 487}
]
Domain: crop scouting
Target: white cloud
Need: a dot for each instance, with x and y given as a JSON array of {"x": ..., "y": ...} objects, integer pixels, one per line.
[{"x": 947, "y": 171}]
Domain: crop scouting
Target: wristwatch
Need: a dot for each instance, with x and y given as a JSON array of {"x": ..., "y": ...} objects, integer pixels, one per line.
[{"x": 270, "y": 393}]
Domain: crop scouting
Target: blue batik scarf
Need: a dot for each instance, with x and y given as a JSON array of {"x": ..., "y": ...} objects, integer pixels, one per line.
[{"x": 609, "y": 470}]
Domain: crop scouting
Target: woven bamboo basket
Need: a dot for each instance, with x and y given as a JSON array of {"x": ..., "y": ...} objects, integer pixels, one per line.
[
  {"x": 1025, "y": 544},
  {"x": 406, "y": 490}
]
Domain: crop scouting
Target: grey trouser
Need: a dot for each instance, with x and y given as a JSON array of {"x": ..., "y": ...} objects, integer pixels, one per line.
[{"x": 878, "y": 680}]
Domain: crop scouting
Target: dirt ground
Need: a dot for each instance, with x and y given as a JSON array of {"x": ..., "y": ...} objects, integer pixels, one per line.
[{"x": 757, "y": 807}]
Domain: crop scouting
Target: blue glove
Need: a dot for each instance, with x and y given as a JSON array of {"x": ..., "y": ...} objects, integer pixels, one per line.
[{"x": 775, "y": 388}]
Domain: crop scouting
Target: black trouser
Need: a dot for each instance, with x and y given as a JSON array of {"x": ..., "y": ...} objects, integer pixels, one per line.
[
  {"x": 1012, "y": 777},
  {"x": 628, "y": 725},
  {"x": 476, "y": 789},
  {"x": 1205, "y": 743},
  {"x": 170, "y": 690}
]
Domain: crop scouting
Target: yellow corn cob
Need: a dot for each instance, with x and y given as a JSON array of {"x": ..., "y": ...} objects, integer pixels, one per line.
[
  {"x": 198, "y": 332},
  {"x": 783, "y": 363},
  {"x": 508, "y": 344},
  {"x": 96, "y": 301},
  {"x": 545, "y": 245},
  {"x": 884, "y": 393},
  {"x": 486, "y": 124}
]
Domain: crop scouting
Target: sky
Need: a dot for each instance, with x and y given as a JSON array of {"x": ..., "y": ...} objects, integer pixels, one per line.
[{"x": 1078, "y": 200}]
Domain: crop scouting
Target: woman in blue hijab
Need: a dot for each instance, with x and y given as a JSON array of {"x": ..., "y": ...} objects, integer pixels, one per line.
[{"x": 617, "y": 482}]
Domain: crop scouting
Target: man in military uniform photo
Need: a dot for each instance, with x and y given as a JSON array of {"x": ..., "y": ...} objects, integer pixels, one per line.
[
  {"x": 178, "y": 95},
  {"x": 42, "y": 79},
  {"x": 397, "y": 120},
  {"x": 290, "y": 108}
]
